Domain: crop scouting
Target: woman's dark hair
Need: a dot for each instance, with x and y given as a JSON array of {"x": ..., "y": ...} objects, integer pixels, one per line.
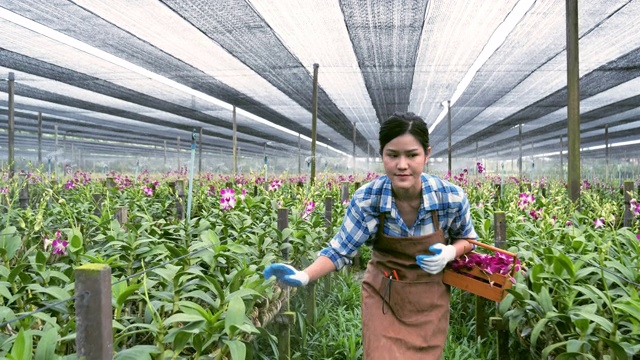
[{"x": 404, "y": 123}]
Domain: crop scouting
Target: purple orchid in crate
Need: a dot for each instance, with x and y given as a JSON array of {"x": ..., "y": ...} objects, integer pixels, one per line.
[{"x": 498, "y": 263}]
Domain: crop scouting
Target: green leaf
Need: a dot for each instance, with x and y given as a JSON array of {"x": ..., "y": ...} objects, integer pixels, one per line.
[
  {"x": 5, "y": 293},
  {"x": 546, "y": 351},
  {"x": 47, "y": 345},
  {"x": 56, "y": 292},
  {"x": 629, "y": 308},
  {"x": 210, "y": 237},
  {"x": 181, "y": 340},
  {"x": 41, "y": 261},
  {"x": 21, "y": 349},
  {"x": 573, "y": 356},
  {"x": 75, "y": 241},
  {"x": 10, "y": 241},
  {"x": 562, "y": 262},
  {"x": 17, "y": 270},
  {"x": 138, "y": 352},
  {"x": 183, "y": 318},
  {"x": 617, "y": 349},
  {"x": 545, "y": 300},
  {"x": 595, "y": 294},
  {"x": 605, "y": 324},
  {"x": 535, "y": 333},
  {"x": 575, "y": 345},
  {"x": 237, "y": 349},
  {"x": 124, "y": 295},
  {"x": 235, "y": 314}
]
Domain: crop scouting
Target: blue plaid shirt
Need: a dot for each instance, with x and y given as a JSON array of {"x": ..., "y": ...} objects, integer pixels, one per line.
[{"x": 361, "y": 220}]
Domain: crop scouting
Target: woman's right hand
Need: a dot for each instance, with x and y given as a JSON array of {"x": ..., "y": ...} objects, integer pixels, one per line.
[{"x": 286, "y": 274}]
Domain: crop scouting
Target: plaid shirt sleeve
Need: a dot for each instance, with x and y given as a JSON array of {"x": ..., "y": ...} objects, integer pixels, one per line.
[
  {"x": 359, "y": 223},
  {"x": 461, "y": 226}
]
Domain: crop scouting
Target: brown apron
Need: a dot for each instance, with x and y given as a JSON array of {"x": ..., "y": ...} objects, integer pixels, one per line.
[{"x": 406, "y": 318}]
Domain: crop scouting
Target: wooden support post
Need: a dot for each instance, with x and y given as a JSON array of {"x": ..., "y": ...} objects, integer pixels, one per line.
[
  {"x": 111, "y": 183},
  {"x": 283, "y": 223},
  {"x": 310, "y": 302},
  {"x": 500, "y": 230},
  {"x": 23, "y": 195},
  {"x": 525, "y": 186},
  {"x": 628, "y": 193},
  {"x": 284, "y": 322},
  {"x": 97, "y": 199},
  {"x": 122, "y": 215},
  {"x": 179, "y": 190},
  {"x": 328, "y": 224},
  {"x": 94, "y": 333},
  {"x": 344, "y": 192},
  {"x": 498, "y": 192},
  {"x": 286, "y": 319}
]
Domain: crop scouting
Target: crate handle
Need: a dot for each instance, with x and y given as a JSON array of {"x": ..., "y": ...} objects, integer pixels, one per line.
[{"x": 493, "y": 248}]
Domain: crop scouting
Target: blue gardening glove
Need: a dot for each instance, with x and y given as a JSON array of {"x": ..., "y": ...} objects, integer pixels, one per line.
[
  {"x": 287, "y": 274},
  {"x": 442, "y": 254}
]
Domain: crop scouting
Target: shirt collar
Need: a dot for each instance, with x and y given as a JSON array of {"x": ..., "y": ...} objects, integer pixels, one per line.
[{"x": 429, "y": 200}]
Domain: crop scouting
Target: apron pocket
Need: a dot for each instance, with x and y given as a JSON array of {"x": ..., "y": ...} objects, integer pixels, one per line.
[{"x": 410, "y": 301}]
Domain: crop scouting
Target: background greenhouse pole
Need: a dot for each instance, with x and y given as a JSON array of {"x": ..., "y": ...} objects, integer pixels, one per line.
[
  {"x": 368, "y": 155},
  {"x": 11, "y": 121},
  {"x": 475, "y": 165},
  {"x": 561, "y": 160},
  {"x": 354, "y": 148},
  {"x": 606, "y": 151},
  {"x": 299, "y": 156},
  {"x": 39, "y": 138},
  {"x": 449, "y": 135},
  {"x": 520, "y": 152},
  {"x": 55, "y": 157},
  {"x": 235, "y": 142},
  {"x": 628, "y": 193},
  {"x": 165, "y": 154},
  {"x": 200, "y": 152},
  {"x": 178, "y": 150},
  {"x": 314, "y": 120},
  {"x": 573, "y": 100}
]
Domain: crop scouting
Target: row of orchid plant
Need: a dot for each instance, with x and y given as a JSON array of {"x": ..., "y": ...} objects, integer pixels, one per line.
[{"x": 581, "y": 265}]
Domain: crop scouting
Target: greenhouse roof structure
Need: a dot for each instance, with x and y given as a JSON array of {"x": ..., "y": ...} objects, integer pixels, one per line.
[{"x": 125, "y": 77}]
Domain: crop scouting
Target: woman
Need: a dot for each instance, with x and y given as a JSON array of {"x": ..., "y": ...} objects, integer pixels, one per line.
[{"x": 417, "y": 223}]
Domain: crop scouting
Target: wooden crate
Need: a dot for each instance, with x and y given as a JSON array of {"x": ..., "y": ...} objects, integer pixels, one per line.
[{"x": 478, "y": 282}]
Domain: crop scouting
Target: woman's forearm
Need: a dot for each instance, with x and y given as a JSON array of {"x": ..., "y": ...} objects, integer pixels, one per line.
[
  {"x": 320, "y": 267},
  {"x": 462, "y": 247}
]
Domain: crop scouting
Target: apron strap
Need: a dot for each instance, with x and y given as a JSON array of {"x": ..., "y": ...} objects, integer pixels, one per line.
[{"x": 434, "y": 218}]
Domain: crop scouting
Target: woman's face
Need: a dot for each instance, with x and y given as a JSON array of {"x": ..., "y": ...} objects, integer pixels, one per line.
[{"x": 404, "y": 159}]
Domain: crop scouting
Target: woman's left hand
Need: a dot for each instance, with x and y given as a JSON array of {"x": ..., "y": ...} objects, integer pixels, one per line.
[{"x": 435, "y": 263}]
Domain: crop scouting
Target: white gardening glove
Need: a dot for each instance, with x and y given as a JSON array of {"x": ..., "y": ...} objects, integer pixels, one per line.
[
  {"x": 287, "y": 274},
  {"x": 442, "y": 254}
]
